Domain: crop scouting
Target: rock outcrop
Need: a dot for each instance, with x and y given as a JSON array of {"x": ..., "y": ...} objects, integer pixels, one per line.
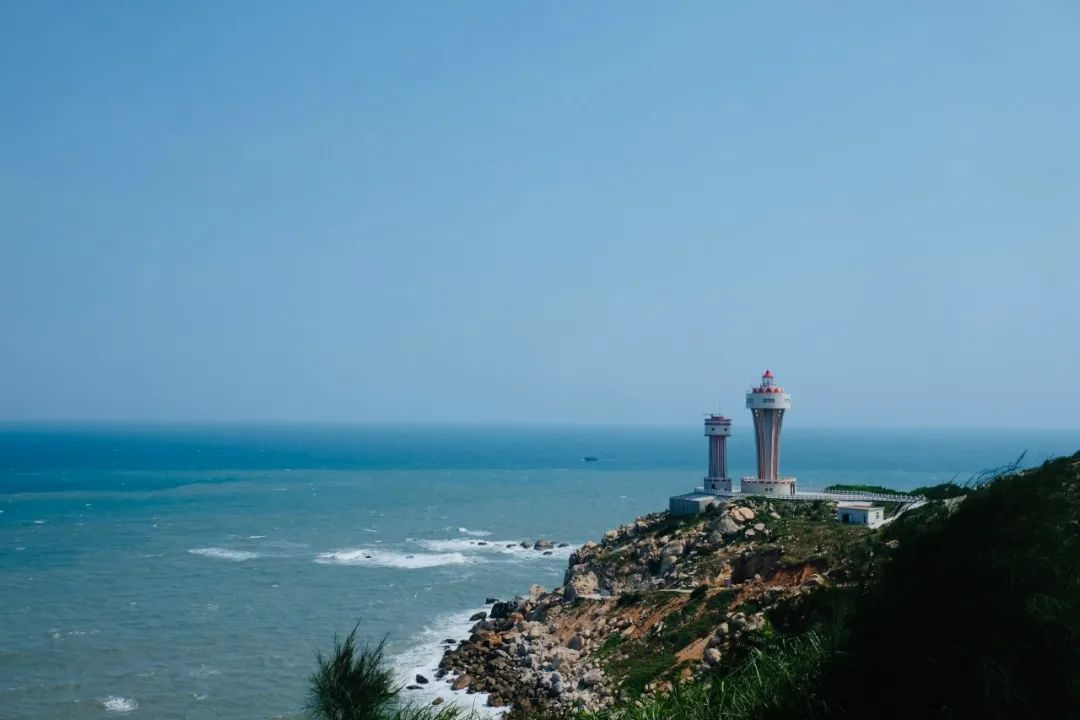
[{"x": 693, "y": 590}]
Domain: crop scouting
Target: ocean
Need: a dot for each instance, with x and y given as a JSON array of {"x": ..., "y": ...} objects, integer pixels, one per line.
[{"x": 194, "y": 571}]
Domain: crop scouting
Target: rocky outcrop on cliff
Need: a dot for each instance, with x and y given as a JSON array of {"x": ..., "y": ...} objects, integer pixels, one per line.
[{"x": 658, "y": 601}]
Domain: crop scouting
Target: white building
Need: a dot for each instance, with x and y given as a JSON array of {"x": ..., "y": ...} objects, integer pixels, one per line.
[{"x": 860, "y": 513}]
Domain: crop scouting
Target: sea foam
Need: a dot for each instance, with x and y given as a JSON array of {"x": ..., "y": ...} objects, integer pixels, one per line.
[
  {"x": 389, "y": 558},
  {"x": 511, "y": 548},
  {"x": 473, "y": 533},
  {"x": 224, "y": 553},
  {"x": 117, "y": 704}
]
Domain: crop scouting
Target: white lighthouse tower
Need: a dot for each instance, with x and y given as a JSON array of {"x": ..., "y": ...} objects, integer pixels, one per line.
[
  {"x": 768, "y": 402},
  {"x": 717, "y": 429}
]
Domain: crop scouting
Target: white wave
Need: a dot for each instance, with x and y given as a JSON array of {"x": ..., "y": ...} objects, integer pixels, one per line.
[
  {"x": 370, "y": 530},
  {"x": 224, "y": 553},
  {"x": 117, "y": 704},
  {"x": 39, "y": 522},
  {"x": 423, "y": 659},
  {"x": 510, "y": 548},
  {"x": 255, "y": 537},
  {"x": 204, "y": 671},
  {"x": 474, "y": 533},
  {"x": 389, "y": 558}
]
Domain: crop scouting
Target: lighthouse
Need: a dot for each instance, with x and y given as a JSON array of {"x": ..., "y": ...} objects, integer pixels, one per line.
[
  {"x": 767, "y": 403},
  {"x": 717, "y": 429}
]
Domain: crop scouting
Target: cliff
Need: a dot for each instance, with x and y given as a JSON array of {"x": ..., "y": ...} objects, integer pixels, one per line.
[{"x": 661, "y": 601}]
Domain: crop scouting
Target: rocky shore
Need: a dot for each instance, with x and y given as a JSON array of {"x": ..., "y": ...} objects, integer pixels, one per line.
[{"x": 659, "y": 601}]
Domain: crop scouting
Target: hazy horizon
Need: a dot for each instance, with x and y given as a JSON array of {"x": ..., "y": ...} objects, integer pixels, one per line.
[{"x": 479, "y": 213}]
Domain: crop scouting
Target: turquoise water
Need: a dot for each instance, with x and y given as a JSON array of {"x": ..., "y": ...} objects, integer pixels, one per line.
[{"x": 192, "y": 572}]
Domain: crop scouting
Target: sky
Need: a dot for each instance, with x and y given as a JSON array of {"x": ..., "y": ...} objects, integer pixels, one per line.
[{"x": 487, "y": 212}]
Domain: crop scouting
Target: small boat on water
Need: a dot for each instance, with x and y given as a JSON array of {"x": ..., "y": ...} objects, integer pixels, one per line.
[{"x": 590, "y": 458}]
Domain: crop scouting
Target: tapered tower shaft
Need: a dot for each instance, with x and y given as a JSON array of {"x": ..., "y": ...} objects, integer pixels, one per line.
[
  {"x": 768, "y": 402},
  {"x": 717, "y": 429}
]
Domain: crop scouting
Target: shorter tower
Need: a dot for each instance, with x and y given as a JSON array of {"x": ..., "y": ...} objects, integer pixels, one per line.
[
  {"x": 768, "y": 402},
  {"x": 717, "y": 429}
]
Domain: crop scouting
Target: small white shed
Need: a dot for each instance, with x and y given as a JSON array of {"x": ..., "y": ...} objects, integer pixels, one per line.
[{"x": 860, "y": 513}]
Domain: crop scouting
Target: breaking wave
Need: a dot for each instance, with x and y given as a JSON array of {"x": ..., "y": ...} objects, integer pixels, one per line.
[
  {"x": 224, "y": 553},
  {"x": 473, "y": 533},
  {"x": 511, "y": 548},
  {"x": 389, "y": 558}
]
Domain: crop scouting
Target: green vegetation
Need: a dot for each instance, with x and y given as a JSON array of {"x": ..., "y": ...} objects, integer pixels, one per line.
[
  {"x": 806, "y": 540},
  {"x": 878, "y": 489},
  {"x": 355, "y": 684},
  {"x": 772, "y": 683},
  {"x": 977, "y": 614},
  {"x": 942, "y": 492},
  {"x": 610, "y": 644},
  {"x": 930, "y": 492},
  {"x": 974, "y": 614}
]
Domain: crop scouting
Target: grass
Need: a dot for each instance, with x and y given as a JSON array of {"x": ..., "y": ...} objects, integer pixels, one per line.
[
  {"x": 773, "y": 683},
  {"x": 609, "y": 646},
  {"x": 355, "y": 683}
]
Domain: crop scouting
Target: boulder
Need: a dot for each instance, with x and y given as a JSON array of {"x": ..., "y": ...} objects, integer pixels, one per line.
[
  {"x": 759, "y": 526},
  {"x": 542, "y": 544},
  {"x": 437, "y": 701},
  {"x": 585, "y": 583},
  {"x": 491, "y": 601},
  {"x": 712, "y": 657},
  {"x": 592, "y": 678},
  {"x": 478, "y": 616},
  {"x": 670, "y": 554},
  {"x": 576, "y": 643},
  {"x": 422, "y": 680},
  {"x": 726, "y": 525},
  {"x": 461, "y": 683},
  {"x": 742, "y": 514},
  {"x": 503, "y": 610}
]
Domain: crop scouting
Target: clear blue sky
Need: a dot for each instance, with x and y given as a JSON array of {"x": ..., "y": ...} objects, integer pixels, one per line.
[{"x": 543, "y": 211}]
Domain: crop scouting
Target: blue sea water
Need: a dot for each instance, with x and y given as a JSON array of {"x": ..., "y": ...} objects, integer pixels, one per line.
[{"x": 193, "y": 572}]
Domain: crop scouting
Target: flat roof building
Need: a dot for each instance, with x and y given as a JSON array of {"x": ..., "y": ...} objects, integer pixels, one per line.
[{"x": 860, "y": 513}]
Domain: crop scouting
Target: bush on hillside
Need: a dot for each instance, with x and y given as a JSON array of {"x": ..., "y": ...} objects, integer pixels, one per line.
[{"x": 355, "y": 683}]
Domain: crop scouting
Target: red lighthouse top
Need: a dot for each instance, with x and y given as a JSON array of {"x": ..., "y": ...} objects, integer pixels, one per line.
[{"x": 768, "y": 384}]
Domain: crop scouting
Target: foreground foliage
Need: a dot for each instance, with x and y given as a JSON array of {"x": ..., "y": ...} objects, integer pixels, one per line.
[{"x": 354, "y": 683}]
